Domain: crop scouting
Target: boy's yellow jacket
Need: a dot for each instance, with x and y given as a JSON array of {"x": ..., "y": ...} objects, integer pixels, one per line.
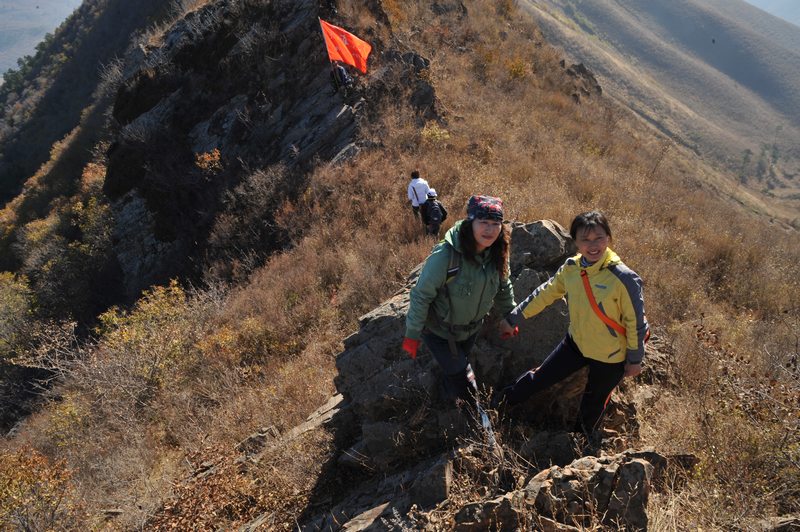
[{"x": 618, "y": 292}]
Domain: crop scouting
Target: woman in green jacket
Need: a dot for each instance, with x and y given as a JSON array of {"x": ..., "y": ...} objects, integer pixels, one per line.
[
  {"x": 466, "y": 274},
  {"x": 607, "y": 325}
]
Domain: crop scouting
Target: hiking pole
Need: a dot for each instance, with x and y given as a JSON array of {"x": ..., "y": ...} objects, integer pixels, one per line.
[{"x": 485, "y": 422}]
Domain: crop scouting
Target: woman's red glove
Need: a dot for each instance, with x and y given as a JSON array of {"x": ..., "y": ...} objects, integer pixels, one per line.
[
  {"x": 508, "y": 334},
  {"x": 410, "y": 346}
]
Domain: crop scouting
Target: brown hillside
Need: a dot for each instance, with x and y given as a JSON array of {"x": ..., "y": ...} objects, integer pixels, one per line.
[
  {"x": 149, "y": 425},
  {"x": 718, "y": 77}
]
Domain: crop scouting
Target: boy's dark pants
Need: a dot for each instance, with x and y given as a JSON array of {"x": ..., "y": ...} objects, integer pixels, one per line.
[{"x": 565, "y": 360}]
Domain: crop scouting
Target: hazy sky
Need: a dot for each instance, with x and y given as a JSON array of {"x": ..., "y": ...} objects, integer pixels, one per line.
[
  {"x": 24, "y": 23},
  {"x": 785, "y": 9}
]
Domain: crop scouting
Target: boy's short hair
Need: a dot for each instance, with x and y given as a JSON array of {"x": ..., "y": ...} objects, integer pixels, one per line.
[{"x": 587, "y": 221}]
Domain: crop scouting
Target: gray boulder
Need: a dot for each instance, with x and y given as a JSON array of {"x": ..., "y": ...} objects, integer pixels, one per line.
[
  {"x": 616, "y": 487},
  {"x": 566, "y": 498}
]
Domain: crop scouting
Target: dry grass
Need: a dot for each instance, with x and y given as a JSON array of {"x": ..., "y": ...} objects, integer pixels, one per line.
[
  {"x": 172, "y": 377},
  {"x": 238, "y": 492},
  {"x": 194, "y": 374}
]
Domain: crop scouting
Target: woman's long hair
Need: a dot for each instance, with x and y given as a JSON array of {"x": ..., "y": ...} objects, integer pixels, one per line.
[{"x": 500, "y": 250}]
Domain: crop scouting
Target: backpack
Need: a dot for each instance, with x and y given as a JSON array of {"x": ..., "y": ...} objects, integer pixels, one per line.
[{"x": 435, "y": 213}]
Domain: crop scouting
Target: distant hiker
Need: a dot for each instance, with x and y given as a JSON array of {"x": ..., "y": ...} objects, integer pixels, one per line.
[
  {"x": 466, "y": 274},
  {"x": 607, "y": 327},
  {"x": 330, "y": 6},
  {"x": 417, "y": 191},
  {"x": 340, "y": 79},
  {"x": 433, "y": 213}
]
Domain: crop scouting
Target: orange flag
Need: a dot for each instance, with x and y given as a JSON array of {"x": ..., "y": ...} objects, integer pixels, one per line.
[{"x": 345, "y": 47}]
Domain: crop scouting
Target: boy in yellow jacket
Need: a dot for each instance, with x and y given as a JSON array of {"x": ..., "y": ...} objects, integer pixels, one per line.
[{"x": 607, "y": 327}]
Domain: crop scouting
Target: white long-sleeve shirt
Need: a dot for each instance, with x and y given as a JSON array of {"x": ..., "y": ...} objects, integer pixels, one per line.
[{"x": 418, "y": 191}]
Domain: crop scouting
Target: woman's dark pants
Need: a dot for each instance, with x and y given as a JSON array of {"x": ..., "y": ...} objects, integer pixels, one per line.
[{"x": 459, "y": 379}]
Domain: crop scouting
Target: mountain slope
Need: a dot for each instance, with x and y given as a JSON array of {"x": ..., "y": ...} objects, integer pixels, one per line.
[
  {"x": 194, "y": 137},
  {"x": 42, "y": 100},
  {"x": 720, "y": 77},
  {"x": 225, "y": 134}
]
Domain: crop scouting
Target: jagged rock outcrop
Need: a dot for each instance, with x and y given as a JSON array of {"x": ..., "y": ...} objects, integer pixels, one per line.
[
  {"x": 615, "y": 487},
  {"x": 233, "y": 88},
  {"x": 585, "y": 83},
  {"x": 240, "y": 82}
]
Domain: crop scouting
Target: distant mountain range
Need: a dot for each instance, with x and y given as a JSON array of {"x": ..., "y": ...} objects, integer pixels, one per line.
[
  {"x": 719, "y": 76},
  {"x": 785, "y": 9},
  {"x": 24, "y": 23}
]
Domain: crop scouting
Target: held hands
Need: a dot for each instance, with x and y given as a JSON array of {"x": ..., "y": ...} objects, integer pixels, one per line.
[
  {"x": 506, "y": 330},
  {"x": 410, "y": 346},
  {"x": 632, "y": 370}
]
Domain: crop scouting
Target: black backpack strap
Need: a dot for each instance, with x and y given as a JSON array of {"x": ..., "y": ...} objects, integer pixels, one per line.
[{"x": 453, "y": 266}]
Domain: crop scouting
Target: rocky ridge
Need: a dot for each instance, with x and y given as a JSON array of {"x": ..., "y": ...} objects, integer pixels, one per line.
[{"x": 233, "y": 88}]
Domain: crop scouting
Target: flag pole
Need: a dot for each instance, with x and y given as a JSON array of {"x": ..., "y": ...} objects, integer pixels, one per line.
[{"x": 327, "y": 50}]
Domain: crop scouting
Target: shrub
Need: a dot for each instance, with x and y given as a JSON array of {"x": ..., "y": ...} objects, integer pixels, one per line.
[
  {"x": 517, "y": 68},
  {"x": 67, "y": 258},
  {"x": 147, "y": 347},
  {"x": 396, "y": 10},
  {"x": 208, "y": 162},
  {"x": 435, "y": 134},
  {"x": 92, "y": 178},
  {"x": 245, "y": 232},
  {"x": 66, "y": 419},
  {"x": 35, "y": 493},
  {"x": 506, "y": 8}
]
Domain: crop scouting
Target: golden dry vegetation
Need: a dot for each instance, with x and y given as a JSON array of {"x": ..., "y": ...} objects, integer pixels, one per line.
[{"x": 172, "y": 385}]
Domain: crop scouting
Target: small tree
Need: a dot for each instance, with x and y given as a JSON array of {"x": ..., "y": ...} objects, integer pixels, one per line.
[{"x": 15, "y": 313}]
